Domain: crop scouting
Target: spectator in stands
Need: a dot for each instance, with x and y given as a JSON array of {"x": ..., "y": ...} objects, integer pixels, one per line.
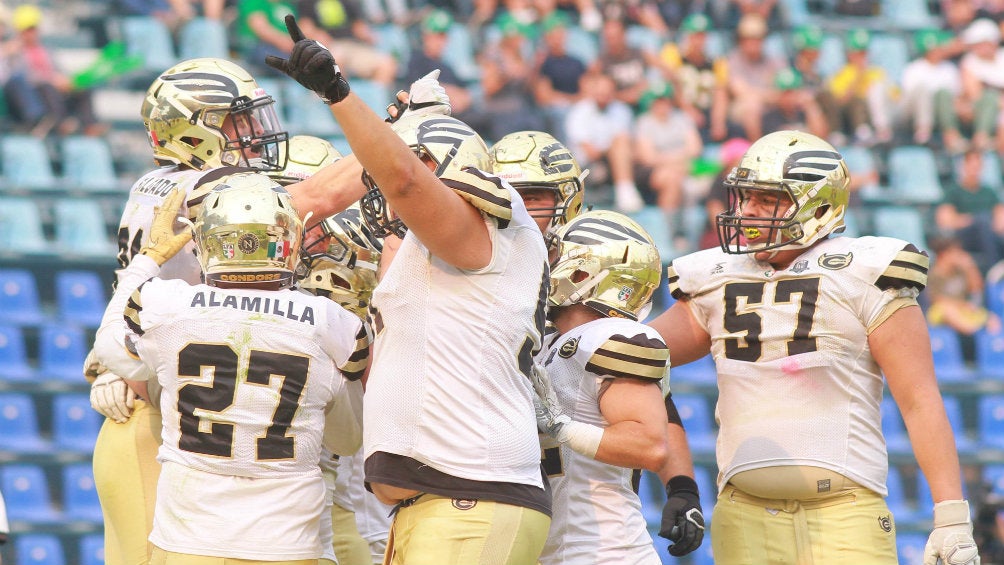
[
  {"x": 795, "y": 107},
  {"x": 172, "y": 12},
  {"x": 973, "y": 212},
  {"x": 735, "y": 10},
  {"x": 751, "y": 74},
  {"x": 861, "y": 96},
  {"x": 626, "y": 65},
  {"x": 429, "y": 57},
  {"x": 929, "y": 81},
  {"x": 66, "y": 108},
  {"x": 340, "y": 26},
  {"x": 701, "y": 82},
  {"x": 666, "y": 141},
  {"x": 717, "y": 200},
  {"x": 387, "y": 11},
  {"x": 556, "y": 81},
  {"x": 982, "y": 72},
  {"x": 806, "y": 41},
  {"x": 598, "y": 132},
  {"x": 261, "y": 31},
  {"x": 641, "y": 13},
  {"x": 955, "y": 292}
]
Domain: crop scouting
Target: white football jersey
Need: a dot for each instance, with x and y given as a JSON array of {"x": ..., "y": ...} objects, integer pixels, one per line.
[
  {"x": 597, "y": 516},
  {"x": 448, "y": 384},
  {"x": 797, "y": 383},
  {"x": 246, "y": 377}
]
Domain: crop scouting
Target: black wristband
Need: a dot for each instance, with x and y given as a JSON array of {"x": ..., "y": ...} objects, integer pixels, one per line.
[{"x": 681, "y": 483}]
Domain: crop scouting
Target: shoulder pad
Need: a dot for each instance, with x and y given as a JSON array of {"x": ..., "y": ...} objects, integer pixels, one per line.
[
  {"x": 638, "y": 356},
  {"x": 908, "y": 269},
  {"x": 133, "y": 307},
  {"x": 485, "y": 192}
]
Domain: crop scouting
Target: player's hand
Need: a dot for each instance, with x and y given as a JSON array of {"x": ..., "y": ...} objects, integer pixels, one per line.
[
  {"x": 111, "y": 397},
  {"x": 952, "y": 537},
  {"x": 426, "y": 96},
  {"x": 682, "y": 519},
  {"x": 164, "y": 242},
  {"x": 312, "y": 65}
]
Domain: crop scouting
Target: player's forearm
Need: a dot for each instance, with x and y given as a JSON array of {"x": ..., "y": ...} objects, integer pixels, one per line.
[
  {"x": 109, "y": 342},
  {"x": 679, "y": 461},
  {"x": 635, "y": 445}
]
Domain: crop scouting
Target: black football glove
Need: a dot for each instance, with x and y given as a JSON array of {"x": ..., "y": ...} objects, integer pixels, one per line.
[
  {"x": 311, "y": 65},
  {"x": 682, "y": 519}
]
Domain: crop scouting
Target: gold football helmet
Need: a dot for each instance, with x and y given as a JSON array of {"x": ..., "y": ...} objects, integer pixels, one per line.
[
  {"x": 448, "y": 142},
  {"x": 340, "y": 259},
  {"x": 534, "y": 160},
  {"x": 799, "y": 166},
  {"x": 307, "y": 155},
  {"x": 206, "y": 113},
  {"x": 606, "y": 261},
  {"x": 247, "y": 232}
]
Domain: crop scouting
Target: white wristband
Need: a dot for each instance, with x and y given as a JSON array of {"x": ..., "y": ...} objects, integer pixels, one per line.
[{"x": 582, "y": 438}]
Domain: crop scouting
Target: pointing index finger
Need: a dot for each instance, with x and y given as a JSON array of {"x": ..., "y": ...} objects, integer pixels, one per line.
[{"x": 294, "y": 30}]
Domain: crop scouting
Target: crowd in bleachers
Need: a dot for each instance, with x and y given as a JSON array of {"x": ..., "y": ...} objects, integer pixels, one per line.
[{"x": 657, "y": 98}]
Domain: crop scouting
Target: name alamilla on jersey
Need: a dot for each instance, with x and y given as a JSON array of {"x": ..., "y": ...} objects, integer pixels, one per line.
[{"x": 259, "y": 304}]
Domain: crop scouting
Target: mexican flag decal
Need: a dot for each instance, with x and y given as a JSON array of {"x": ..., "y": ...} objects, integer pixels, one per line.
[{"x": 278, "y": 249}]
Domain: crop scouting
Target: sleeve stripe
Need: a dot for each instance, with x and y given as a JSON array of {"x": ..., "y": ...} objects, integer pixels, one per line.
[
  {"x": 355, "y": 366},
  {"x": 484, "y": 193},
  {"x": 608, "y": 367},
  {"x": 908, "y": 268},
  {"x": 633, "y": 353},
  {"x": 131, "y": 313},
  {"x": 639, "y": 356},
  {"x": 673, "y": 280}
]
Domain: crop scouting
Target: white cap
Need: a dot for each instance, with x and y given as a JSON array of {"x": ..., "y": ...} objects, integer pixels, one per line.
[{"x": 981, "y": 30}]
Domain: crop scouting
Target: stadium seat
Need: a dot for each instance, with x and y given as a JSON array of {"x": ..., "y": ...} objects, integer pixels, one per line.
[
  {"x": 990, "y": 424},
  {"x": 304, "y": 115},
  {"x": 653, "y": 496},
  {"x": 203, "y": 37},
  {"x": 698, "y": 422},
  {"x": 39, "y": 549},
  {"x": 459, "y": 53},
  {"x": 26, "y": 162},
  {"x": 994, "y": 296},
  {"x": 903, "y": 508},
  {"x": 993, "y": 479},
  {"x": 92, "y": 549},
  {"x": 88, "y": 164},
  {"x": 80, "y": 228},
  {"x": 26, "y": 493},
  {"x": 75, "y": 424},
  {"x": 913, "y": 175},
  {"x": 80, "y": 297},
  {"x": 80, "y": 497},
  {"x": 890, "y": 52},
  {"x": 393, "y": 40},
  {"x": 19, "y": 302},
  {"x": 643, "y": 38},
  {"x": 374, "y": 94},
  {"x": 896, "y": 439},
  {"x": 14, "y": 365},
  {"x": 149, "y": 37},
  {"x": 861, "y": 162},
  {"x": 795, "y": 12},
  {"x": 910, "y": 547},
  {"x": 581, "y": 44},
  {"x": 705, "y": 479},
  {"x": 831, "y": 55},
  {"x": 701, "y": 371},
  {"x": 653, "y": 219},
  {"x": 21, "y": 227},
  {"x": 908, "y": 14},
  {"x": 946, "y": 345},
  {"x": 19, "y": 430},
  {"x": 990, "y": 354},
  {"x": 903, "y": 222},
  {"x": 61, "y": 352}
]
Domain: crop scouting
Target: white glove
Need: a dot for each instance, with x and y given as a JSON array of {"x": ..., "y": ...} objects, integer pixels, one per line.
[
  {"x": 111, "y": 397},
  {"x": 552, "y": 421},
  {"x": 952, "y": 537},
  {"x": 425, "y": 97}
]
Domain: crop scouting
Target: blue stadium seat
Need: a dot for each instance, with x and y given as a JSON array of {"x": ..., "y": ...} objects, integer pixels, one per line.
[
  {"x": 39, "y": 549},
  {"x": 393, "y": 40},
  {"x": 304, "y": 114},
  {"x": 993, "y": 479},
  {"x": 643, "y": 38},
  {"x": 706, "y": 486},
  {"x": 652, "y": 493},
  {"x": 148, "y": 37},
  {"x": 795, "y": 12},
  {"x": 19, "y": 303},
  {"x": 910, "y": 547},
  {"x": 861, "y": 162},
  {"x": 80, "y": 228},
  {"x": 908, "y": 14},
  {"x": 203, "y": 37},
  {"x": 87, "y": 163},
  {"x": 26, "y": 493},
  {"x": 831, "y": 55},
  {"x": 700, "y": 371},
  {"x": 19, "y": 430},
  {"x": 75, "y": 425},
  {"x": 949, "y": 365},
  {"x": 80, "y": 297},
  {"x": 653, "y": 219},
  {"x": 14, "y": 365},
  {"x": 698, "y": 421},
  {"x": 913, "y": 175},
  {"x": 459, "y": 53},
  {"x": 21, "y": 227},
  {"x": 994, "y": 296},
  {"x": 893, "y": 429},
  {"x": 903, "y": 222},
  {"x": 889, "y": 52},
  {"x": 990, "y": 354},
  {"x": 26, "y": 162},
  {"x": 902, "y": 507},
  {"x": 374, "y": 94},
  {"x": 61, "y": 352},
  {"x": 92, "y": 549},
  {"x": 80, "y": 497},
  {"x": 991, "y": 420},
  {"x": 581, "y": 44}
]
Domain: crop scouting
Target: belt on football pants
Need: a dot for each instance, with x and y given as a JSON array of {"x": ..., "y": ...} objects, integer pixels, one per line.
[{"x": 797, "y": 508}]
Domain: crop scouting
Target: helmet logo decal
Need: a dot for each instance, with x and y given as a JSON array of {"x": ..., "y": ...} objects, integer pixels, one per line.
[
  {"x": 836, "y": 261},
  {"x": 446, "y": 132},
  {"x": 800, "y": 266},
  {"x": 810, "y": 165},
  {"x": 248, "y": 243},
  {"x": 208, "y": 88},
  {"x": 569, "y": 348},
  {"x": 624, "y": 294},
  {"x": 607, "y": 229},
  {"x": 556, "y": 158},
  {"x": 228, "y": 249}
]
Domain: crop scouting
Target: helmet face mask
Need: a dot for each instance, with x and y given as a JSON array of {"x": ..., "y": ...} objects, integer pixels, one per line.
[
  {"x": 247, "y": 233},
  {"x": 207, "y": 113},
  {"x": 340, "y": 259},
  {"x": 443, "y": 142},
  {"x": 606, "y": 261},
  {"x": 798, "y": 176}
]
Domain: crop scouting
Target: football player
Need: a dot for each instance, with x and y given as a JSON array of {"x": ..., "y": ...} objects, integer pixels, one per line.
[
  {"x": 252, "y": 374},
  {"x": 802, "y": 327},
  {"x": 204, "y": 117},
  {"x": 449, "y": 428},
  {"x": 606, "y": 369}
]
